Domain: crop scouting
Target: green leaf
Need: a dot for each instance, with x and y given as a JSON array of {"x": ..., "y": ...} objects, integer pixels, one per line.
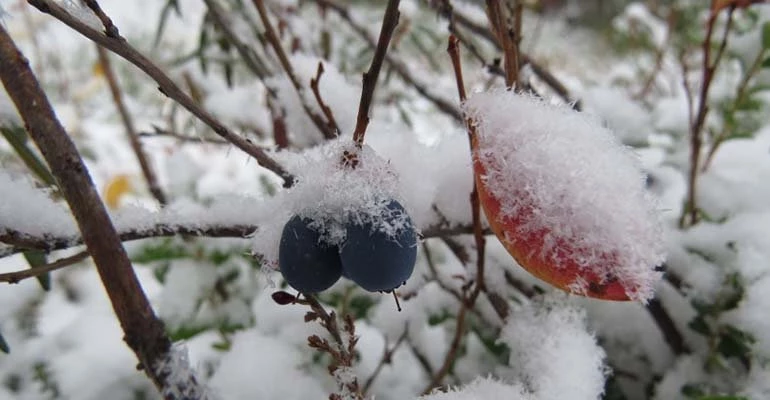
[
  {"x": 699, "y": 324},
  {"x": 17, "y": 138},
  {"x": 186, "y": 332},
  {"x": 766, "y": 62},
  {"x": 692, "y": 391},
  {"x": 734, "y": 342},
  {"x": 164, "y": 251},
  {"x": 766, "y": 35},
  {"x": 37, "y": 258},
  {"x": 4, "y": 345}
]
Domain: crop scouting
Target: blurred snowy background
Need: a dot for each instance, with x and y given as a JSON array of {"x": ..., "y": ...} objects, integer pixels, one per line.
[{"x": 636, "y": 65}]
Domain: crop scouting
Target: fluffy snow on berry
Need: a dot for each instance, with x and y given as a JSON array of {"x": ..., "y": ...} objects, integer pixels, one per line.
[
  {"x": 575, "y": 180},
  {"x": 331, "y": 194}
]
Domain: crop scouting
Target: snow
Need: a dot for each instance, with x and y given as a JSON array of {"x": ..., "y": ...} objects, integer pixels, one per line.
[
  {"x": 482, "y": 389},
  {"x": 552, "y": 353},
  {"x": 330, "y": 194},
  {"x": 579, "y": 182},
  {"x": 261, "y": 367},
  {"x": 30, "y": 210}
]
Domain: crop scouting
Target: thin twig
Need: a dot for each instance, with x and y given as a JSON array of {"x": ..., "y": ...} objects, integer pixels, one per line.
[
  {"x": 446, "y": 10},
  {"x": 128, "y": 123},
  {"x": 314, "y": 86},
  {"x": 660, "y": 53},
  {"x": 275, "y": 43},
  {"x": 159, "y": 133},
  {"x": 501, "y": 26},
  {"x": 479, "y": 284},
  {"x": 119, "y": 46},
  {"x": 22, "y": 241},
  {"x": 109, "y": 28},
  {"x": 397, "y": 66},
  {"x": 144, "y": 332},
  {"x": 387, "y": 358},
  {"x": 250, "y": 57},
  {"x": 740, "y": 97},
  {"x": 690, "y": 211},
  {"x": 22, "y": 274},
  {"x": 389, "y": 23}
]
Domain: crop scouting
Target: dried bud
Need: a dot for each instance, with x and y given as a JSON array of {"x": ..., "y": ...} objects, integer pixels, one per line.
[{"x": 284, "y": 298}]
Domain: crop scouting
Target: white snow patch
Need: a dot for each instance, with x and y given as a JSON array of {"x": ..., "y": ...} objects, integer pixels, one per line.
[
  {"x": 483, "y": 389},
  {"x": 552, "y": 353}
]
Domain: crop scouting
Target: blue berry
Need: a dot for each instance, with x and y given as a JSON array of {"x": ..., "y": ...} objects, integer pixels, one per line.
[
  {"x": 378, "y": 260},
  {"x": 307, "y": 264}
]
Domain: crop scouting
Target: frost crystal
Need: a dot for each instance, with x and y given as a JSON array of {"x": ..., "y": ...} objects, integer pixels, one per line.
[{"x": 562, "y": 172}]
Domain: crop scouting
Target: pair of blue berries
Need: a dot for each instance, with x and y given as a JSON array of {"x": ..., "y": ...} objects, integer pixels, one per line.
[{"x": 376, "y": 260}]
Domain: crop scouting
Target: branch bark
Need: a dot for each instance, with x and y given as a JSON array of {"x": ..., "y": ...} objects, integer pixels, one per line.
[
  {"x": 389, "y": 23},
  {"x": 22, "y": 241},
  {"x": 144, "y": 332}
]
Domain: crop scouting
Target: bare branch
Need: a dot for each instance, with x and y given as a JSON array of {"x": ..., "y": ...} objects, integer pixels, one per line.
[
  {"x": 128, "y": 123},
  {"x": 455, "y": 17},
  {"x": 24, "y": 241},
  {"x": 389, "y": 23},
  {"x": 445, "y": 106},
  {"x": 144, "y": 332},
  {"x": 314, "y": 86},
  {"x": 119, "y": 46},
  {"x": 690, "y": 211},
  {"x": 275, "y": 42},
  {"x": 22, "y": 274}
]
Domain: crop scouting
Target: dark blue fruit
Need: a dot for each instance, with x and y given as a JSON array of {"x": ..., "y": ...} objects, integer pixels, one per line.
[
  {"x": 307, "y": 264},
  {"x": 377, "y": 260}
]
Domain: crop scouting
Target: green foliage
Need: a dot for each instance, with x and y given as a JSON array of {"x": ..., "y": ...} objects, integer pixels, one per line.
[
  {"x": 701, "y": 392},
  {"x": 19, "y": 140},
  {"x": 725, "y": 341}
]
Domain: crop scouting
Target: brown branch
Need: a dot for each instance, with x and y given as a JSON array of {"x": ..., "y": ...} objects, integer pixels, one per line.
[
  {"x": 109, "y": 28},
  {"x": 479, "y": 284},
  {"x": 505, "y": 37},
  {"x": 389, "y": 23},
  {"x": 314, "y": 85},
  {"x": 660, "y": 53},
  {"x": 690, "y": 212},
  {"x": 22, "y": 274},
  {"x": 144, "y": 332},
  {"x": 740, "y": 96},
  {"x": 250, "y": 57},
  {"x": 159, "y": 133},
  {"x": 275, "y": 43},
  {"x": 22, "y": 241},
  {"x": 399, "y": 68},
  {"x": 128, "y": 123},
  {"x": 446, "y": 10},
  {"x": 119, "y": 46}
]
